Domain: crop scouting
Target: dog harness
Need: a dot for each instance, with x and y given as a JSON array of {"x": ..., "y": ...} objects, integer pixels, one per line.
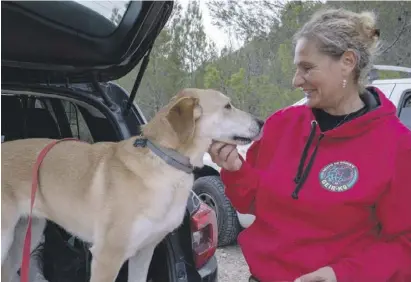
[
  {"x": 25, "y": 263},
  {"x": 171, "y": 157}
]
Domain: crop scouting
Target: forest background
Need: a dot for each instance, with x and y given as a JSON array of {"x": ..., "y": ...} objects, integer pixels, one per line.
[{"x": 257, "y": 68}]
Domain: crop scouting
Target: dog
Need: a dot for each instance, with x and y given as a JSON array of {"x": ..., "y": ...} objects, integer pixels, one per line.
[{"x": 121, "y": 197}]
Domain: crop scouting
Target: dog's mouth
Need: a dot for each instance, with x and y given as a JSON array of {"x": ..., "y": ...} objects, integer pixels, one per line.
[
  {"x": 236, "y": 140},
  {"x": 240, "y": 140}
]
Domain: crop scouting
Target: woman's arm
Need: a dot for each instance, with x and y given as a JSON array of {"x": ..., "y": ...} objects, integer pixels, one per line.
[
  {"x": 241, "y": 185},
  {"x": 389, "y": 260}
]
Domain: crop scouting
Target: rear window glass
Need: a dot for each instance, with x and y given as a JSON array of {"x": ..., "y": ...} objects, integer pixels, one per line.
[
  {"x": 405, "y": 113},
  {"x": 95, "y": 18}
]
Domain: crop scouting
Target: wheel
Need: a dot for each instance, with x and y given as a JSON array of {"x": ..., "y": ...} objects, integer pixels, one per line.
[{"x": 210, "y": 189}]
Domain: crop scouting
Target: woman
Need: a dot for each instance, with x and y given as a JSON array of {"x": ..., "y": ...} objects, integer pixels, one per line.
[{"x": 330, "y": 181}]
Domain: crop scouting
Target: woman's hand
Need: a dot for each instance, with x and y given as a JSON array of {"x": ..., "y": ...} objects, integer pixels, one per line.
[
  {"x": 225, "y": 156},
  {"x": 324, "y": 274}
]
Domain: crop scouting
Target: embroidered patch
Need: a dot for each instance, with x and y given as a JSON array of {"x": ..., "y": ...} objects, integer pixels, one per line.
[{"x": 338, "y": 176}]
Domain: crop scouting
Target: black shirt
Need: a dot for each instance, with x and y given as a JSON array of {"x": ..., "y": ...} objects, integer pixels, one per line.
[{"x": 327, "y": 121}]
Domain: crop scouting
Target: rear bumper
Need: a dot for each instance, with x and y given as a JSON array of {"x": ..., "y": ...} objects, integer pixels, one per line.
[{"x": 209, "y": 272}]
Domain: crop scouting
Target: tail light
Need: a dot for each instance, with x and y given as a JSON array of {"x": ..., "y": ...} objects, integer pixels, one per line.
[{"x": 204, "y": 234}]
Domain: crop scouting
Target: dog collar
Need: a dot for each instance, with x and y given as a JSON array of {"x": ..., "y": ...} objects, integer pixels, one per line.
[{"x": 171, "y": 157}]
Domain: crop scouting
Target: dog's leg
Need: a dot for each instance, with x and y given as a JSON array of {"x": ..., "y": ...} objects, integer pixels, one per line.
[
  {"x": 9, "y": 218},
  {"x": 13, "y": 261},
  {"x": 107, "y": 261},
  {"x": 36, "y": 274},
  {"x": 7, "y": 237},
  {"x": 139, "y": 264}
]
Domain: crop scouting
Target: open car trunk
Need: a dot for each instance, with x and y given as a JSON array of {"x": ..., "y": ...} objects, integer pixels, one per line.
[
  {"x": 67, "y": 44},
  {"x": 58, "y": 58}
]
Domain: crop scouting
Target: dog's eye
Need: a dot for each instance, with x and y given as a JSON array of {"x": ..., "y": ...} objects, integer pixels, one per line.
[{"x": 228, "y": 106}]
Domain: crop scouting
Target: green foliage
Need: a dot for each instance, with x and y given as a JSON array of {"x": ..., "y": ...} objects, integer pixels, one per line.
[
  {"x": 258, "y": 76},
  {"x": 389, "y": 75},
  {"x": 212, "y": 77}
]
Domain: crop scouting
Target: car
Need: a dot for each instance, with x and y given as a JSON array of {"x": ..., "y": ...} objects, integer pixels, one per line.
[
  {"x": 59, "y": 59},
  {"x": 397, "y": 90}
]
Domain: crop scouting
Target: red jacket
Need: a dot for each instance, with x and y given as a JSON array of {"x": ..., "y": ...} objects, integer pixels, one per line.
[{"x": 360, "y": 176}]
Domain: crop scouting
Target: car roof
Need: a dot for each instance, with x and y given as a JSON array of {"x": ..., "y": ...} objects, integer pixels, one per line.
[{"x": 392, "y": 81}]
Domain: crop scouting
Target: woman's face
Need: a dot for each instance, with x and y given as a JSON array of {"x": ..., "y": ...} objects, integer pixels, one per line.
[{"x": 318, "y": 75}]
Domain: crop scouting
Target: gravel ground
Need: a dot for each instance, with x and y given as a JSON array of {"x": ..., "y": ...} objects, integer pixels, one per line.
[{"x": 231, "y": 265}]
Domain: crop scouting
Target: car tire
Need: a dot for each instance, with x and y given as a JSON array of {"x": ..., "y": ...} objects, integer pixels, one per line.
[{"x": 210, "y": 189}]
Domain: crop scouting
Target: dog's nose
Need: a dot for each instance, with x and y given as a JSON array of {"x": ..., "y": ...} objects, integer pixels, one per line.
[{"x": 260, "y": 123}]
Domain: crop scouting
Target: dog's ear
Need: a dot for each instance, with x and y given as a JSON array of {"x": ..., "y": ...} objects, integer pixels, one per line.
[{"x": 182, "y": 117}]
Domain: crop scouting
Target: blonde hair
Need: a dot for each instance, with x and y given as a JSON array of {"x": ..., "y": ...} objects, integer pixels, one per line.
[{"x": 337, "y": 30}]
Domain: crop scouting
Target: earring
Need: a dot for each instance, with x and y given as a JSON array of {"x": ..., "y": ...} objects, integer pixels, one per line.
[{"x": 344, "y": 83}]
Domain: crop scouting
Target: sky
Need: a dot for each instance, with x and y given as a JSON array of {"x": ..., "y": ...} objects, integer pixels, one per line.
[{"x": 215, "y": 34}]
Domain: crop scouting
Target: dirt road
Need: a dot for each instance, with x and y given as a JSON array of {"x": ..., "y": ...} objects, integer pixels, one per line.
[{"x": 231, "y": 265}]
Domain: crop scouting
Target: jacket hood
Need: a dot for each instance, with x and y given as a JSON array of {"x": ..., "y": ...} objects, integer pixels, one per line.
[{"x": 380, "y": 113}]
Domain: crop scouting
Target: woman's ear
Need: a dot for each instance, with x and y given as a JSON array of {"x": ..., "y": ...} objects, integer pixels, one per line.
[{"x": 348, "y": 62}]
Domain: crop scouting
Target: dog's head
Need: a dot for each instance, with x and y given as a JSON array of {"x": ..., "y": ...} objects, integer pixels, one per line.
[{"x": 195, "y": 117}]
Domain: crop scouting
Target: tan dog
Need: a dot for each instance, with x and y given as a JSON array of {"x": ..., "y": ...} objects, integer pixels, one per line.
[{"x": 122, "y": 198}]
